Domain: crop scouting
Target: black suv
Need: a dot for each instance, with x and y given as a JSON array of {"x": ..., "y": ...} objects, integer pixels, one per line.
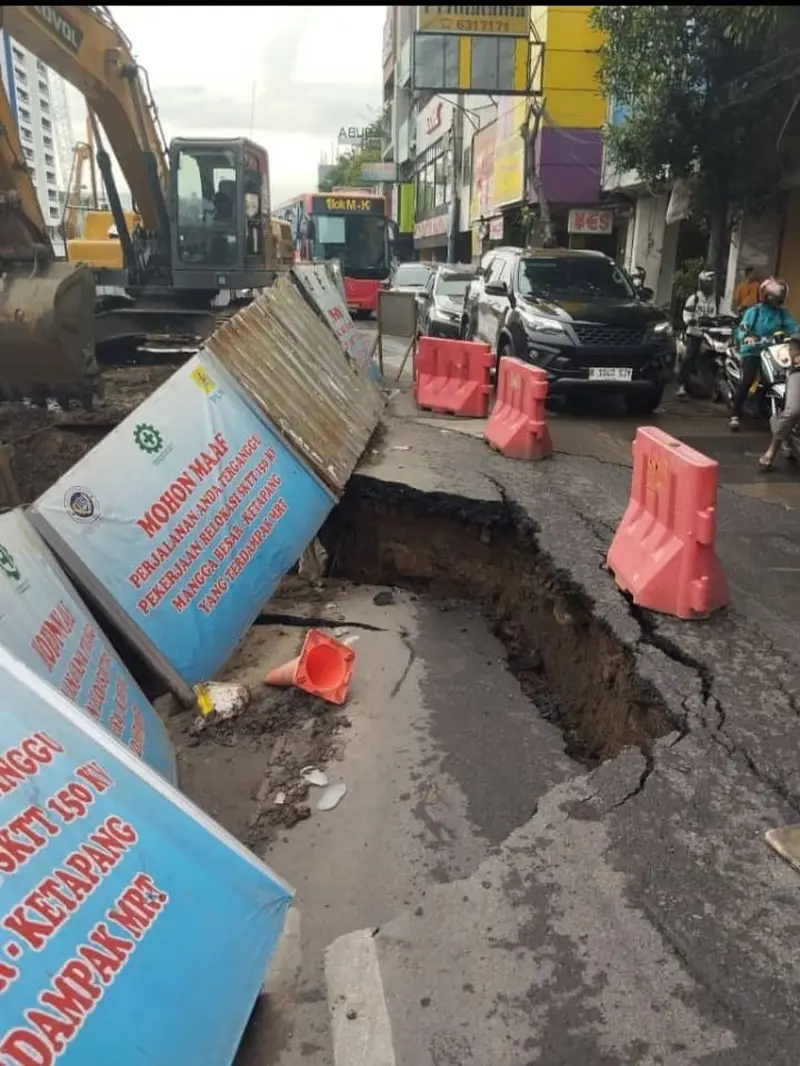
[{"x": 577, "y": 315}]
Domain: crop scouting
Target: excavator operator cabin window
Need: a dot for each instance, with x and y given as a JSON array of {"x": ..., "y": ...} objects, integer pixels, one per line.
[{"x": 208, "y": 206}]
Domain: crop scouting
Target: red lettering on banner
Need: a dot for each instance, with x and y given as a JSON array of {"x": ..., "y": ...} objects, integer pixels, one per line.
[{"x": 53, "y": 635}]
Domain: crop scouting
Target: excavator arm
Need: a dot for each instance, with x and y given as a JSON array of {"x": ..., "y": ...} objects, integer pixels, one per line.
[
  {"x": 23, "y": 233},
  {"x": 88, "y": 49}
]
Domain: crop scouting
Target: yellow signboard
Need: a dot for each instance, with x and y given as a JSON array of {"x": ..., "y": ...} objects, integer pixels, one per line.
[
  {"x": 498, "y": 161},
  {"x": 485, "y": 21}
]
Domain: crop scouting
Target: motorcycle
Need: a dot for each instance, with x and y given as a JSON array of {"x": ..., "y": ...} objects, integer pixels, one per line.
[
  {"x": 715, "y": 343},
  {"x": 767, "y": 394}
]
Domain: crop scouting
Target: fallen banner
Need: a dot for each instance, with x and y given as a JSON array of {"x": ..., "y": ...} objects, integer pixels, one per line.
[
  {"x": 183, "y": 521},
  {"x": 44, "y": 623},
  {"x": 124, "y": 907},
  {"x": 330, "y": 304}
]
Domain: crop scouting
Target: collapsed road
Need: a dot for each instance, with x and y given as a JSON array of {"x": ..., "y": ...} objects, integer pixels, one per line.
[{"x": 632, "y": 913}]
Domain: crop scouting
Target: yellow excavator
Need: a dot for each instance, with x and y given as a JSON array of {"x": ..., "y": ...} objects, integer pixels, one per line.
[
  {"x": 204, "y": 205},
  {"x": 89, "y": 232}
]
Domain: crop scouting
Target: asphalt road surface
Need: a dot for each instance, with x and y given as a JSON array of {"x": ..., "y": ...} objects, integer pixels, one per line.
[{"x": 481, "y": 899}]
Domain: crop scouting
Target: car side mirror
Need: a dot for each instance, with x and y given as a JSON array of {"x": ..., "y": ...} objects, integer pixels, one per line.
[
  {"x": 646, "y": 293},
  {"x": 496, "y": 288}
]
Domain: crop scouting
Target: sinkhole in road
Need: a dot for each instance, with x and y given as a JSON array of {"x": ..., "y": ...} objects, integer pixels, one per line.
[{"x": 575, "y": 671}]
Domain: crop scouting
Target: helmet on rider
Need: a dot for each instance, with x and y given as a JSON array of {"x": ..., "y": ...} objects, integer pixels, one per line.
[
  {"x": 773, "y": 291},
  {"x": 707, "y": 282}
]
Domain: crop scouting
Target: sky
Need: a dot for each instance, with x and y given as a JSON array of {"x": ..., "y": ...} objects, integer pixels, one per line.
[{"x": 289, "y": 77}]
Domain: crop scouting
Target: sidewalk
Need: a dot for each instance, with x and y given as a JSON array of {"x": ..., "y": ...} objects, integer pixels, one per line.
[{"x": 659, "y": 851}]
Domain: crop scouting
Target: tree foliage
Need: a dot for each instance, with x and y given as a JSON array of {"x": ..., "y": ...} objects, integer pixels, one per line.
[
  {"x": 708, "y": 91},
  {"x": 347, "y": 170}
]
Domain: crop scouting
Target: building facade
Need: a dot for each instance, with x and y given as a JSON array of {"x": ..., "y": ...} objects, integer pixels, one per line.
[{"x": 27, "y": 83}]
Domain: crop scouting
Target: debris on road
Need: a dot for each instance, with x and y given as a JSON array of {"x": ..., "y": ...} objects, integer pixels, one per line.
[
  {"x": 314, "y": 776},
  {"x": 222, "y": 698},
  {"x": 332, "y": 796}
]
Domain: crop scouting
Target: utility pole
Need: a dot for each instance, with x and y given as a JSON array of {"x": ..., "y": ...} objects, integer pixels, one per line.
[{"x": 457, "y": 150}]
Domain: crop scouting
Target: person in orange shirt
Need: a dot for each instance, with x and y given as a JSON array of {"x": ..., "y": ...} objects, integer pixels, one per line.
[{"x": 746, "y": 294}]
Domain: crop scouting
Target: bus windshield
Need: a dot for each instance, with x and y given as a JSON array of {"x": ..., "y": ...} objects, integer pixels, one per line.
[{"x": 361, "y": 242}]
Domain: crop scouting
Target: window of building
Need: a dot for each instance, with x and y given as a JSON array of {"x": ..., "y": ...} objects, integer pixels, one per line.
[
  {"x": 439, "y": 182},
  {"x": 50, "y": 175},
  {"x": 18, "y": 54},
  {"x": 47, "y": 124},
  {"x": 436, "y": 61},
  {"x": 26, "y": 133},
  {"x": 49, "y": 159},
  {"x": 22, "y": 96},
  {"x": 20, "y": 75},
  {"x": 47, "y": 142},
  {"x": 44, "y": 87},
  {"x": 52, "y": 194},
  {"x": 53, "y": 210},
  {"x": 492, "y": 63},
  {"x": 24, "y": 115},
  {"x": 41, "y": 67},
  {"x": 43, "y": 104}
]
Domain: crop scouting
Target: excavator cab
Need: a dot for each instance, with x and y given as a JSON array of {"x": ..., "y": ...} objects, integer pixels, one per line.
[{"x": 219, "y": 215}]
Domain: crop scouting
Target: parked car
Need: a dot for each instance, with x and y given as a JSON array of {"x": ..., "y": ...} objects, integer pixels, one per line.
[
  {"x": 577, "y": 315},
  {"x": 442, "y": 300},
  {"x": 410, "y": 277}
]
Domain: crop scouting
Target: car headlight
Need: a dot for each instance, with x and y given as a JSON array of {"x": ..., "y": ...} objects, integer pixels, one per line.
[
  {"x": 540, "y": 324},
  {"x": 662, "y": 329}
]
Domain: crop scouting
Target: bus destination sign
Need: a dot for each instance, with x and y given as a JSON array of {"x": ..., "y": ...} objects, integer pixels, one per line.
[{"x": 347, "y": 205}]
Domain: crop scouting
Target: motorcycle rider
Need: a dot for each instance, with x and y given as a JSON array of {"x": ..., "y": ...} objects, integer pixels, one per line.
[
  {"x": 758, "y": 323},
  {"x": 703, "y": 303},
  {"x": 781, "y": 425}
]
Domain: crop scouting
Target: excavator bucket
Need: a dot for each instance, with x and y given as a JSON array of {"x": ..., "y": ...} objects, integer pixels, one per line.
[{"x": 47, "y": 331}]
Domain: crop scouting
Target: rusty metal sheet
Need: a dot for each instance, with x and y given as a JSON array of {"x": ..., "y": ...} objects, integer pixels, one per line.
[{"x": 296, "y": 372}]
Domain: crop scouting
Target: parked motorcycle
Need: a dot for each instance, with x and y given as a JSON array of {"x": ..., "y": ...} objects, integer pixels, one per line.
[
  {"x": 767, "y": 394},
  {"x": 717, "y": 339}
]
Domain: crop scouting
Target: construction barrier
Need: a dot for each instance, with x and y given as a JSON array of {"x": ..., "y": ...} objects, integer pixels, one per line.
[
  {"x": 46, "y": 626},
  {"x": 663, "y": 551},
  {"x": 183, "y": 520},
  {"x": 517, "y": 427},
  {"x": 120, "y": 897},
  {"x": 452, "y": 377}
]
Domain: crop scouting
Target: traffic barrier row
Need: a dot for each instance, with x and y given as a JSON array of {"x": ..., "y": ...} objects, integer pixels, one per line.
[
  {"x": 663, "y": 552},
  {"x": 517, "y": 427},
  {"x": 452, "y": 377}
]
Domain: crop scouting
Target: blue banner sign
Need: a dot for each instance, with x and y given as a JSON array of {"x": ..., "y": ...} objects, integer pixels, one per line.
[
  {"x": 133, "y": 929},
  {"x": 44, "y": 623},
  {"x": 184, "y": 520}
]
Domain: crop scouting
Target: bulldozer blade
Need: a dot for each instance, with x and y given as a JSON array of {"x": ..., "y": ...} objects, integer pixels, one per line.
[{"x": 47, "y": 329}]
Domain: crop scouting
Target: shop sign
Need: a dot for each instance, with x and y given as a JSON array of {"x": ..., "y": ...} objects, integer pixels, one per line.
[
  {"x": 496, "y": 229},
  {"x": 492, "y": 21},
  {"x": 587, "y": 221},
  {"x": 432, "y": 121},
  {"x": 431, "y": 227}
]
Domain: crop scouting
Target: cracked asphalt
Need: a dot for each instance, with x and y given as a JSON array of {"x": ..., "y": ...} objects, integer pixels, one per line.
[{"x": 491, "y": 902}]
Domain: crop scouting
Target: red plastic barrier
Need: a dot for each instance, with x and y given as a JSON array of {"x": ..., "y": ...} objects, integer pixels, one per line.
[
  {"x": 452, "y": 377},
  {"x": 663, "y": 551},
  {"x": 517, "y": 428}
]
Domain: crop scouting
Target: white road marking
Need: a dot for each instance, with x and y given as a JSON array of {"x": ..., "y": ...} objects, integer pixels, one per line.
[{"x": 353, "y": 973}]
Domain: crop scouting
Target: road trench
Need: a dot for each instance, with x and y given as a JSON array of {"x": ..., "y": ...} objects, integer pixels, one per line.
[{"x": 575, "y": 672}]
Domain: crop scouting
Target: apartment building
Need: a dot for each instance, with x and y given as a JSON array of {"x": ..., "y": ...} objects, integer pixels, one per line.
[{"x": 27, "y": 83}]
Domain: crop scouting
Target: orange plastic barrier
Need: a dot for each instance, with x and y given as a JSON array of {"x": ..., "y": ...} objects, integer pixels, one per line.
[
  {"x": 452, "y": 377},
  {"x": 663, "y": 551},
  {"x": 323, "y": 668},
  {"x": 517, "y": 428}
]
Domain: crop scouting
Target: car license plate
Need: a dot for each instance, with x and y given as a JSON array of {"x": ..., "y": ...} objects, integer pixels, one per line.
[{"x": 610, "y": 373}]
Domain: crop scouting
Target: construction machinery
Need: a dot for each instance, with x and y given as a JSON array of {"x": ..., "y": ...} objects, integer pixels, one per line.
[{"x": 203, "y": 204}]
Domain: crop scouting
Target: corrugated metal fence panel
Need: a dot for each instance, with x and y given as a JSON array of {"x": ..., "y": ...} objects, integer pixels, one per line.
[{"x": 296, "y": 372}]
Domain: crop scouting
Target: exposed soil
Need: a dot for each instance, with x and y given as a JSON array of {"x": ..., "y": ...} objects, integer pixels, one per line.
[
  {"x": 234, "y": 769},
  {"x": 44, "y": 444},
  {"x": 574, "y": 669}
]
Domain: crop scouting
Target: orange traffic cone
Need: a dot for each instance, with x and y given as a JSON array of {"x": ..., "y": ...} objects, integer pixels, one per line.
[{"x": 323, "y": 668}]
